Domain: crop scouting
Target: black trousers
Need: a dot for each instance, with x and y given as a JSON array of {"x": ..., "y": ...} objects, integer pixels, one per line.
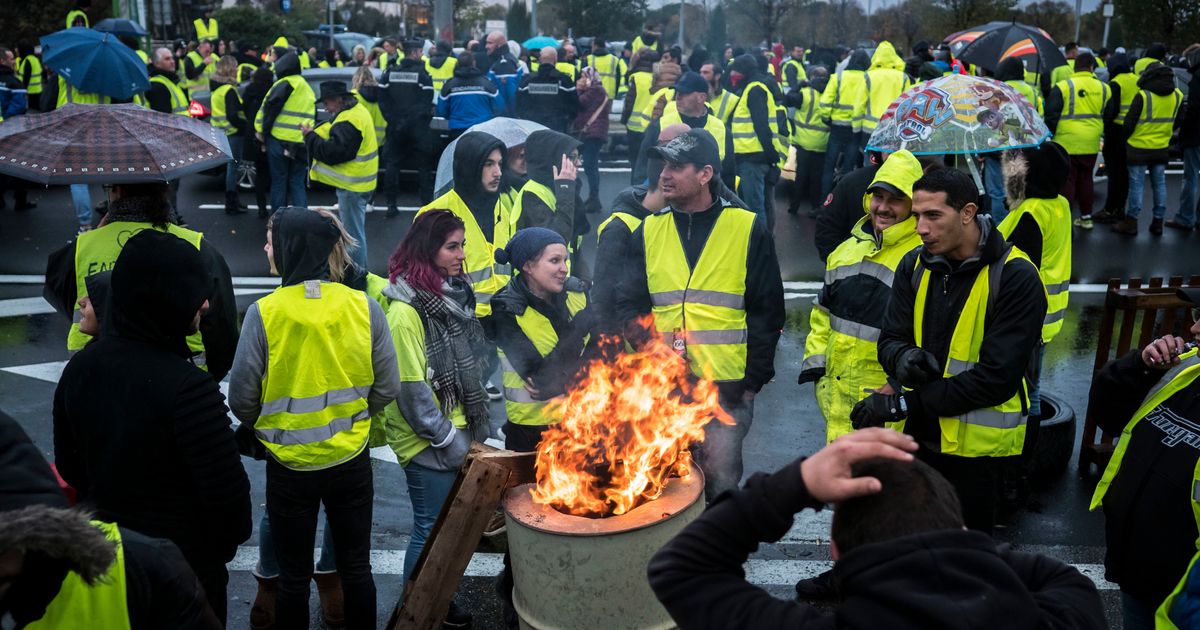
[
  {"x": 976, "y": 480},
  {"x": 1116, "y": 167},
  {"x": 408, "y": 144},
  {"x": 807, "y": 186},
  {"x": 210, "y": 570},
  {"x": 635, "y": 147},
  {"x": 293, "y": 500}
]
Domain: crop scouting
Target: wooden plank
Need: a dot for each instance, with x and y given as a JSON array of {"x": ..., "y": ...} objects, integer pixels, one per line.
[
  {"x": 464, "y": 516},
  {"x": 520, "y": 465}
]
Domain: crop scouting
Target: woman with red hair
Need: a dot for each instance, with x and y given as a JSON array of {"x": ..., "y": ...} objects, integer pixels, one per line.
[{"x": 440, "y": 347}]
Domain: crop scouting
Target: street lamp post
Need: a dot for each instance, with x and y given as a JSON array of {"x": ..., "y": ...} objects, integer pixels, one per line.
[
  {"x": 681, "y": 7},
  {"x": 533, "y": 29},
  {"x": 1108, "y": 15}
]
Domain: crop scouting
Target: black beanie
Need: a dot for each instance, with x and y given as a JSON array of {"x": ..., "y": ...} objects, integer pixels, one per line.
[{"x": 526, "y": 244}]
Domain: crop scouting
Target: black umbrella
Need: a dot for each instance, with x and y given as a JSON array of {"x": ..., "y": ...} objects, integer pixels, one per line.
[
  {"x": 988, "y": 45},
  {"x": 108, "y": 144},
  {"x": 120, "y": 26}
]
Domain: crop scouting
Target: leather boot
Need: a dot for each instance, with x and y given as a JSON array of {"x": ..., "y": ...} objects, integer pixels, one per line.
[
  {"x": 231, "y": 204},
  {"x": 262, "y": 613},
  {"x": 329, "y": 589}
]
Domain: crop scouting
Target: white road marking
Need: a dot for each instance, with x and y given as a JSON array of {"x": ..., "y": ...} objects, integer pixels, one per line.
[
  {"x": 614, "y": 170},
  {"x": 798, "y": 296},
  {"x": 808, "y": 285},
  {"x": 760, "y": 572},
  {"x": 238, "y": 281},
  {"x": 22, "y": 307},
  {"x": 49, "y": 372}
]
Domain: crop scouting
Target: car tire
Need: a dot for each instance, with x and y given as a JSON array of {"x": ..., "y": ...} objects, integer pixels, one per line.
[{"x": 1055, "y": 440}]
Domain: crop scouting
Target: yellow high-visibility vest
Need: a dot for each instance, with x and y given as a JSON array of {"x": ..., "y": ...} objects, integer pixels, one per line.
[
  {"x": 745, "y": 140},
  {"x": 1169, "y": 614},
  {"x": 68, "y": 94},
  {"x": 319, "y": 373},
  {"x": 629, "y": 220},
  {"x": 845, "y": 97},
  {"x": 1153, "y": 130},
  {"x": 479, "y": 267},
  {"x": 35, "y": 73},
  {"x": 206, "y": 29},
  {"x": 103, "y": 604},
  {"x": 723, "y": 105},
  {"x": 811, "y": 132},
  {"x": 76, "y": 13},
  {"x": 179, "y": 100},
  {"x": 219, "y": 118},
  {"x": 801, "y": 75},
  {"x": 1053, "y": 218},
  {"x": 1081, "y": 123},
  {"x": 300, "y": 107},
  {"x": 441, "y": 75},
  {"x": 521, "y": 407},
  {"x": 610, "y": 68},
  {"x": 376, "y": 118},
  {"x": 997, "y": 431},
  {"x": 701, "y": 310},
  {"x": 1024, "y": 88},
  {"x": 357, "y": 175},
  {"x": 712, "y": 124},
  {"x": 1129, "y": 89},
  {"x": 639, "y": 43},
  {"x": 201, "y": 80},
  {"x": 882, "y": 86},
  {"x": 641, "y": 82}
]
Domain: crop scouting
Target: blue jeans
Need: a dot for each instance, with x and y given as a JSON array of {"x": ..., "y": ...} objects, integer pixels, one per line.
[
  {"x": 352, "y": 210},
  {"x": 427, "y": 489},
  {"x": 1035, "y": 388},
  {"x": 1136, "y": 614},
  {"x": 838, "y": 153},
  {"x": 1189, "y": 197},
  {"x": 268, "y": 563},
  {"x": 993, "y": 182},
  {"x": 287, "y": 177},
  {"x": 1158, "y": 189},
  {"x": 591, "y": 165},
  {"x": 231, "y": 170},
  {"x": 82, "y": 200},
  {"x": 753, "y": 186},
  {"x": 720, "y": 455}
]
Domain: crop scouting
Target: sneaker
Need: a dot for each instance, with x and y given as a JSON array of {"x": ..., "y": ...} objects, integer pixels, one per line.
[
  {"x": 456, "y": 617},
  {"x": 1126, "y": 226},
  {"x": 821, "y": 587},
  {"x": 1175, "y": 225},
  {"x": 1156, "y": 227},
  {"x": 1084, "y": 223},
  {"x": 1108, "y": 216},
  {"x": 493, "y": 392}
]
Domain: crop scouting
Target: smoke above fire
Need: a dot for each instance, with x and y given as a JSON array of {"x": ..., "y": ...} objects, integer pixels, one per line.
[{"x": 625, "y": 431}]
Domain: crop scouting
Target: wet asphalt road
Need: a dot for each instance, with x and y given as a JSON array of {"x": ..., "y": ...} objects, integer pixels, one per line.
[{"x": 787, "y": 423}]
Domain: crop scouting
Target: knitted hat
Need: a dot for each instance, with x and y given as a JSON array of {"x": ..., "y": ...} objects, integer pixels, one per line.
[{"x": 526, "y": 245}]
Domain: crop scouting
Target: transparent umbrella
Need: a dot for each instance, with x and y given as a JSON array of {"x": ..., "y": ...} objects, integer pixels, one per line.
[{"x": 511, "y": 131}]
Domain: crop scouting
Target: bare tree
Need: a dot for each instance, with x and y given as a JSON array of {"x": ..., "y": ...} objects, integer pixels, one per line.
[{"x": 762, "y": 19}]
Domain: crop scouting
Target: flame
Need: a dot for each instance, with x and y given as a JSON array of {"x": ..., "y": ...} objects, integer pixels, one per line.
[{"x": 626, "y": 428}]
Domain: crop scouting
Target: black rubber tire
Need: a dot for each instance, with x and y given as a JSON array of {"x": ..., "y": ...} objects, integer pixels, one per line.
[{"x": 1055, "y": 440}]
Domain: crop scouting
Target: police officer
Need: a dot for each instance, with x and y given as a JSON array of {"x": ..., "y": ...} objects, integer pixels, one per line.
[
  {"x": 723, "y": 318},
  {"x": 548, "y": 95},
  {"x": 408, "y": 107},
  {"x": 1074, "y": 110},
  {"x": 964, "y": 396}
]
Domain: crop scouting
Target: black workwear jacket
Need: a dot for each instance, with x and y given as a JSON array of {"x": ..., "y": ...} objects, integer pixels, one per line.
[
  {"x": 552, "y": 373},
  {"x": 842, "y": 210},
  {"x": 408, "y": 94},
  {"x": 343, "y": 142},
  {"x": 548, "y": 97}
]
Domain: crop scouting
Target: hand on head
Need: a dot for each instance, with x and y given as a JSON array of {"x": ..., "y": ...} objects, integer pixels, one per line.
[{"x": 827, "y": 473}]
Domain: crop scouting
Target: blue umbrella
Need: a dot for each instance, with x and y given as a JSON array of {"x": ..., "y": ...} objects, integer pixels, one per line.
[
  {"x": 95, "y": 62},
  {"x": 541, "y": 41},
  {"x": 120, "y": 26}
]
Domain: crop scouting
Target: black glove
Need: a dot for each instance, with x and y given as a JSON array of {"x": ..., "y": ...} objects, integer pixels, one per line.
[
  {"x": 917, "y": 367},
  {"x": 876, "y": 409}
]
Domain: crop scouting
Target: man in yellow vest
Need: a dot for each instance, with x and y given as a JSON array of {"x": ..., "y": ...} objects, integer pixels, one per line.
[
  {"x": 637, "y": 97},
  {"x": 610, "y": 67},
  {"x": 440, "y": 65},
  {"x": 316, "y": 361},
  {"x": 289, "y": 104},
  {"x": 720, "y": 100},
  {"x": 965, "y": 315},
  {"x": 198, "y": 66},
  {"x": 757, "y": 145},
  {"x": 345, "y": 155},
  {"x": 31, "y": 73},
  {"x": 206, "y": 26},
  {"x": 722, "y": 316},
  {"x": 164, "y": 94},
  {"x": 1152, "y": 116},
  {"x": 845, "y": 98},
  {"x": 690, "y": 108},
  {"x": 1149, "y": 490},
  {"x": 389, "y": 56},
  {"x": 1062, "y": 73},
  {"x": 1074, "y": 114},
  {"x": 79, "y": 15},
  {"x": 650, "y": 38},
  {"x": 1123, "y": 83},
  {"x": 810, "y": 136},
  {"x": 792, "y": 70}
]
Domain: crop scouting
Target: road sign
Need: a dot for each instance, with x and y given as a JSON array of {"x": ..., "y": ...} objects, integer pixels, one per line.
[{"x": 285, "y": 5}]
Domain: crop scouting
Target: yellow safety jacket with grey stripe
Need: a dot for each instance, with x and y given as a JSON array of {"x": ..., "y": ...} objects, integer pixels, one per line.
[
  {"x": 712, "y": 124},
  {"x": 1170, "y": 614},
  {"x": 810, "y": 131},
  {"x": 845, "y": 98},
  {"x": 1154, "y": 125},
  {"x": 201, "y": 80},
  {"x": 76, "y": 14},
  {"x": 801, "y": 75},
  {"x": 701, "y": 311},
  {"x": 319, "y": 373},
  {"x": 640, "y": 82},
  {"x": 68, "y": 94},
  {"x": 745, "y": 140},
  {"x": 521, "y": 407},
  {"x": 102, "y": 604},
  {"x": 206, "y": 30},
  {"x": 377, "y": 118},
  {"x": 882, "y": 86},
  {"x": 96, "y": 251},
  {"x": 34, "y": 65},
  {"x": 841, "y": 349},
  {"x": 300, "y": 107},
  {"x": 542, "y": 192},
  {"x": 1081, "y": 123},
  {"x": 179, "y": 100},
  {"x": 1053, "y": 218},
  {"x": 220, "y": 118},
  {"x": 610, "y": 68},
  {"x": 997, "y": 431},
  {"x": 662, "y": 94},
  {"x": 441, "y": 75},
  {"x": 723, "y": 105},
  {"x": 479, "y": 267},
  {"x": 1129, "y": 89},
  {"x": 358, "y": 174}
]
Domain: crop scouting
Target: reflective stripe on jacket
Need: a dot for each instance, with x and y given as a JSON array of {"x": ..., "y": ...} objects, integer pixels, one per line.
[
  {"x": 179, "y": 101},
  {"x": 479, "y": 267},
  {"x": 301, "y": 107},
  {"x": 1053, "y": 218},
  {"x": 219, "y": 118},
  {"x": 810, "y": 131},
  {"x": 521, "y": 407},
  {"x": 712, "y": 125},
  {"x": 1156, "y": 121},
  {"x": 358, "y": 174},
  {"x": 1081, "y": 124}
]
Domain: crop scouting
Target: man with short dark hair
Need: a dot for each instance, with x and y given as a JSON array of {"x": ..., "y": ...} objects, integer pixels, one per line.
[
  {"x": 964, "y": 318},
  {"x": 1074, "y": 114},
  {"x": 900, "y": 552},
  {"x": 548, "y": 96}
]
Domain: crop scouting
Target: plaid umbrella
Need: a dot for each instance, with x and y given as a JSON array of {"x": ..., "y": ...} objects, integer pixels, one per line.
[
  {"x": 108, "y": 144},
  {"x": 988, "y": 45}
]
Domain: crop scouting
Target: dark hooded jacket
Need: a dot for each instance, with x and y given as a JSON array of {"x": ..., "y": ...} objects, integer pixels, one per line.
[
  {"x": 285, "y": 66},
  {"x": 407, "y": 101},
  {"x": 612, "y": 252},
  {"x": 544, "y": 151},
  {"x": 1042, "y": 177},
  {"x": 549, "y": 374},
  {"x": 842, "y": 209},
  {"x": 142, "y": 433},
  {"x": 343, "y": 142},
  {"x": 920, "y": 57},
  {"x": 947, "y": 579},
  {"x": 1012, "y": 330},
  {"x": 470, "y": 153},
  {"x": 161, "y": 591},
  {"x": 1189, "y": 126},
  {"x": 1160, "y": 80},
  {"x": 760, "y": 116}
]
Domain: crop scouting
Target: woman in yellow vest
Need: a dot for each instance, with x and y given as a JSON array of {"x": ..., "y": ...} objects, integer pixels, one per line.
[
  {"x": 309, "y": 402},
  {"x": 442, "y": 407},
  {"x": 227, "y": 116},
  {"x": 541, "y": 325}
]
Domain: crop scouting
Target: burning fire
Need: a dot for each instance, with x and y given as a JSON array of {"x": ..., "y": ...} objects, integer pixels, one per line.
[{"x": 626, "y": 428}]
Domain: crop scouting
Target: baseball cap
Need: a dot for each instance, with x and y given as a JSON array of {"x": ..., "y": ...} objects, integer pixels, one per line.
[
  {"x": 897, "y": 174},
  {"x": 689, "y": 83},
  {"x": 694, "y": 147}
]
